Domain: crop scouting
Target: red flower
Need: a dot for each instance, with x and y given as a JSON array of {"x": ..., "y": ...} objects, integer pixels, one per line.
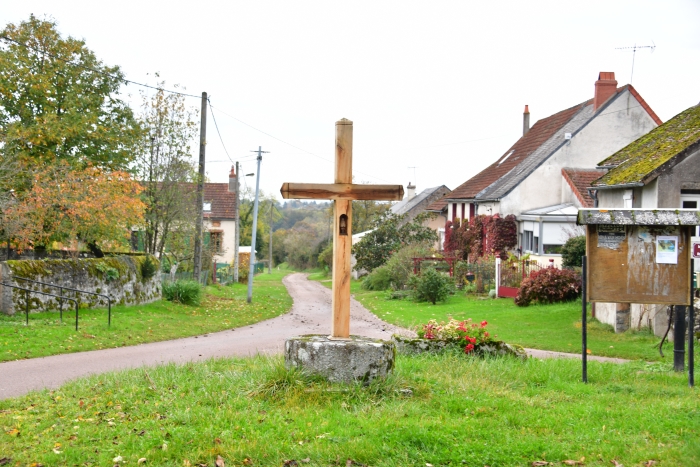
[
  {"x": 469, "y": 348},
  {"x": 470, "y": 339},
  {"x": 483, "y": 324},
  {"x": 486, "y": 334}
]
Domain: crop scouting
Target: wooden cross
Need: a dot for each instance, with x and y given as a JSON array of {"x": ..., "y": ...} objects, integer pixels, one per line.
[{"x": 342, "y": 192}]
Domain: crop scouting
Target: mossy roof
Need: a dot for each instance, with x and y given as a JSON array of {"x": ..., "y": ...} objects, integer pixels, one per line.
[{"x": 639, "y": 161}]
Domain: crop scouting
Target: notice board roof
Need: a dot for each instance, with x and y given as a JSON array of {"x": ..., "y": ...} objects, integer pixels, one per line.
[{"x": 638, "y": 216}]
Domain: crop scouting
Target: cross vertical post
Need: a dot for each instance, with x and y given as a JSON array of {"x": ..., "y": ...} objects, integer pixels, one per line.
[
  {"x": 342, "y": 192},
  {"x": 342, "y": 233}
]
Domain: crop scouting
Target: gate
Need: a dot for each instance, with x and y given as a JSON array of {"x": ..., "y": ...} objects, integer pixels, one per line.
[{"x": 511, "y": 274}]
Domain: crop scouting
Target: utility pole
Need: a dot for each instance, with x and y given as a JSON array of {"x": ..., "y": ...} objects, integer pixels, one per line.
[
  {"x": 251, "y": 272},
  {"x": 200, "y": 192},
  {"x": 238, "y": 226},
  {"x": 269, "y": 263}
]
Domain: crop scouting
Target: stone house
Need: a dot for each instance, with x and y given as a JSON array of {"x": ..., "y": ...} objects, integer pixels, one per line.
[
  {"x": 659, "y": 170},
  {"x": 541, "y": 178},
  {"x": 413, "y": 204}
]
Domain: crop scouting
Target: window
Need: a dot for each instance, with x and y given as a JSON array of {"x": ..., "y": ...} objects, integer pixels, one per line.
[
  {"x": 690, "y": 204},
  {"x": 215, "y": 240},
  {"x": 528, "y": 241},
  {"x": 551, "y": 249},
  {"x": 207, "y": 207}
]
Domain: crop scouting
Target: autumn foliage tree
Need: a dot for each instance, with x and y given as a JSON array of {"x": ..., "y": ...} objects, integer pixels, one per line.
[
  {"x": 59, "y": 102},
  {"x": 93, "y": 205}
]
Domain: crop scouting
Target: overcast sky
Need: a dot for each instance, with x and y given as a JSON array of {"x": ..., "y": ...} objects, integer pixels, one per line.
[{"x": 436, "y": 89}]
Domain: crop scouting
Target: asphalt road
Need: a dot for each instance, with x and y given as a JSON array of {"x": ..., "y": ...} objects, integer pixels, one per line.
[{"x": 310, "y": 314}]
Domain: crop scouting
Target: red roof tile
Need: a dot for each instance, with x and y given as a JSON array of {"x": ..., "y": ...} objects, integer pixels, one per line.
[
  {"x": 579, "y": 180},
  {"x": 533, "y": 139},
  {"x": 223, "y": 202},
  {"x": 438, "y": 205}
]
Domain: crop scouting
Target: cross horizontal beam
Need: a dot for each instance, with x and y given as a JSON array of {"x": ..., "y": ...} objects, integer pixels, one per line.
[{"x": 342, "y": 191}]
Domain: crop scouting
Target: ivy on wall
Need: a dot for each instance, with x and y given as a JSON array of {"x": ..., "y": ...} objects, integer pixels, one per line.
[{"x": 481, "y": 236}]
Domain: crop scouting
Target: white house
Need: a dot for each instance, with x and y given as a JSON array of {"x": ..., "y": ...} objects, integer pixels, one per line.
[
  {"x": 220, "y": 218},
  {"x": 530, "y": 179}
]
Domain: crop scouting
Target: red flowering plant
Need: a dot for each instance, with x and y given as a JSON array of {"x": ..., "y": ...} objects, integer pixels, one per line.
[{"x": 461, "y": 333}]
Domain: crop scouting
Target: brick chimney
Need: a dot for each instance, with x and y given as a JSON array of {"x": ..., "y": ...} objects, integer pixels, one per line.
[
  {"x": 604, "y": 88},
  {"x": 411, "y": 191},
  {"x": 526, "y": 120},
  {"x": 232, "y": 181}
]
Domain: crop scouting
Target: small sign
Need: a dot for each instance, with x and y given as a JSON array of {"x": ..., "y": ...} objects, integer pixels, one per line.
[
  {"x": 610, "y": 236},
  {"x": 666, "y": 249},
  {"x": 695, "y": 248}
]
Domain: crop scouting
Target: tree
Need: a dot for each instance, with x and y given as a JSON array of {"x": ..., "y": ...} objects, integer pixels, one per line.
[
  {"x": 59, "y": 102},
  {"x": 93, "y": 205},
  {"x": 167, "y": 172},
  {"x": 573, "y": 251},
  {"x": 390, "y": 233}
]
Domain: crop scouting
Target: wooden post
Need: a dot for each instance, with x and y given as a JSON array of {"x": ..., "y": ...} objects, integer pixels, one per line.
[
  {"x": 342, "y": 240},
  {"x": 342, "y": 192}
]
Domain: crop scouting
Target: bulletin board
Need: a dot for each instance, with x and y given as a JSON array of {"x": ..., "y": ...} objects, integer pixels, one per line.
[{"x": 638, "y": 263}]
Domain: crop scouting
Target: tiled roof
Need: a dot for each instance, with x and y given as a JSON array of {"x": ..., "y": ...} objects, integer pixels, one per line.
[
  {"x": 516, "y": 155},
  {"x": 532, "y": 149},
  {"x": 642, "y": 160},
  {"x": 439, "y": 205},
  {"x": 579, "y": 180},
  {"x": 404, "y": 206},
  {"x": 223, "y": 202}
]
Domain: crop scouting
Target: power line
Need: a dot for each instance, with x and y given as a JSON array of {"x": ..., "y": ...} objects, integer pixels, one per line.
[
  {"x": 295, "y": 147},
  {"x": 126, "y": 81},
  {"x": 216, "y": 125}
]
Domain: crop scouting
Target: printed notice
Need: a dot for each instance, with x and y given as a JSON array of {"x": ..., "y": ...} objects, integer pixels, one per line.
[
  {"x": 667, "y": 249},
  {"x": 610, "y": 236}
]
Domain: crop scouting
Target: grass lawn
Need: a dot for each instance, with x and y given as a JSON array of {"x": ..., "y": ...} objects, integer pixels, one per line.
[
  {"x": 223, "y": 307},
  {"x": 548, "y": 327},
  {"x": 439, "y": 410}
]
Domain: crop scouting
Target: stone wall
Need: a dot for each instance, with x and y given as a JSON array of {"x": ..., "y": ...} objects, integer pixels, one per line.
[{"x": 121, "y": 278}]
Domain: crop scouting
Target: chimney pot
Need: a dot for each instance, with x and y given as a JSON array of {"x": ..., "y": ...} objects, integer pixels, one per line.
[
  {"x": 232, "y": 180},
  {"x": 605, "y": 87},
  {"x": 526, "y": 120},
  {"x": 410, "y": 191}
]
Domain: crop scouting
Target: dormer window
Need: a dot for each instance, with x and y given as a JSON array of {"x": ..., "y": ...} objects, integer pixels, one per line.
[
  {"x": 207, "y": 207},
  {"x": 506, "y": 157}
]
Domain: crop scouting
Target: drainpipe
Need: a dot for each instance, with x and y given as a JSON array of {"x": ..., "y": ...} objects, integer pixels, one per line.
[{"x": 593, "y": 194}]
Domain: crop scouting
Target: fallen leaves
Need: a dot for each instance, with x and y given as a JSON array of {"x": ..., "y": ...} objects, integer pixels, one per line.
[
  {"x": 13, "y": 432},
  {"x": 541, "y": 463},
  {"x": 616, "y": 463},
  {"x": 573, "y": 462},
  {"x": 5, "y": 460},
  {"x": 141, "y": 461},
  {"x": 650, "y": 463},
  {"x": 220, "y": 462}
]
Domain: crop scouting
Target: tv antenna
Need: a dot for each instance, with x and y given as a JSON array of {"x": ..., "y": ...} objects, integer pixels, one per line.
[
  {"x": 414, "y": 175},
  {"x": 634, "y": 52}
]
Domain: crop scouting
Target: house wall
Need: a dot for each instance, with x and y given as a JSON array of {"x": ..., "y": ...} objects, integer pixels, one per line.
[
  {"x": 228, "y": 240},
  {"x": 684, "y": 174},
  {"x": 437, "y": 223},
  {"x": 611, "y": 130}
]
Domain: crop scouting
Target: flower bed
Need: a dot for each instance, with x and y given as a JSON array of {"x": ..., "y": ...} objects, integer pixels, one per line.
[{"x": 470, "y": 337}]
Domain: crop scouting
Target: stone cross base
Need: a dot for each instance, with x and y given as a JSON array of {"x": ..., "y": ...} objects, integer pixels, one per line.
[{"x": 341, "y": 360}]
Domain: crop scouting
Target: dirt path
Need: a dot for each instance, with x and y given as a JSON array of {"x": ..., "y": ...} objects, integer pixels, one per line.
[{"x": 310, "y": 314}]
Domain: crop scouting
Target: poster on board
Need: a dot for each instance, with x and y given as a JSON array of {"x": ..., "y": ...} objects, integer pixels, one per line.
[{"x": 667, "y": 249}]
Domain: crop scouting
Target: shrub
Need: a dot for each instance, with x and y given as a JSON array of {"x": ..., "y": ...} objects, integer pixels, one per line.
[
  {"x": 431, "y": 286},
  {"x": 549, "y": 286},
  {"x": 148, "y": 269},
  {"x": 182, "y": 291},
  {"x": 379, "y": 279},
  {"x": 400, "y": 265},
  {"x": 572, "y": 251}
]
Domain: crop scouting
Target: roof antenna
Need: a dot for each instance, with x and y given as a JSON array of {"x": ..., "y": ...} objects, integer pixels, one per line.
[
  {"x": 414, "y": 175},
  {"x": 634, "y": 52}
]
